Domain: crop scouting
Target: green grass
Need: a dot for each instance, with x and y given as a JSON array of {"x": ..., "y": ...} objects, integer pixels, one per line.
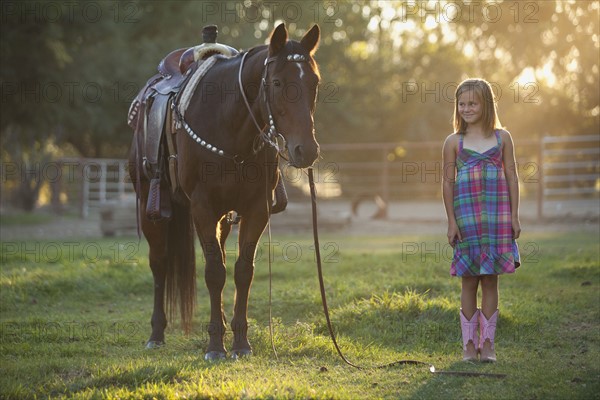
[
  {"x": 75, "y": 316},
  {"x": 23, "y": 218}
]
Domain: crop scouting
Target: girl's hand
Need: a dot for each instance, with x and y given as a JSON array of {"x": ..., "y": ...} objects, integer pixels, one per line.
[
  {"x": 453, "y": 233},
  {"x": 516, "y": 227}
]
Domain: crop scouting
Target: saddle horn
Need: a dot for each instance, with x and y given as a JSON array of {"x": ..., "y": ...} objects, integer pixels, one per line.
[{"x": 208, "y": 48}]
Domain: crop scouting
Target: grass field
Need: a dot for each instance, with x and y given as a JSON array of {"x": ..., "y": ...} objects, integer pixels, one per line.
[{"x": 75, "y": 316}]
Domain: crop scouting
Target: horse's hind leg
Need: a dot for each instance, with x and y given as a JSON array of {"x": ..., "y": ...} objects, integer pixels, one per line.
[{"x": 156, "y": 236}]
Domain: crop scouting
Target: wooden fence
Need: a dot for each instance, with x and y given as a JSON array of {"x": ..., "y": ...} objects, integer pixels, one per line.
[
  {"x": 91, "y": 182},
  {"x": 551, "y": 168}
]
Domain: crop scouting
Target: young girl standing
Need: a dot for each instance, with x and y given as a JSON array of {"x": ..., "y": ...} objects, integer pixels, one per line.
[{"x": 481, "y": 196}]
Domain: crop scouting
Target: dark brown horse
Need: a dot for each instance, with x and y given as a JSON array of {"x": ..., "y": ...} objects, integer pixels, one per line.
[{"x": 233, "y": 167}]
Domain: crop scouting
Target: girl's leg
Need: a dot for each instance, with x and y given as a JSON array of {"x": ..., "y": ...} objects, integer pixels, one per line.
[
  {"x": 469, "y": 317},
  {"x": 489, "y": 316},
  {"x": 468, "y": 295},
  {"x": 489, "y": 295}
]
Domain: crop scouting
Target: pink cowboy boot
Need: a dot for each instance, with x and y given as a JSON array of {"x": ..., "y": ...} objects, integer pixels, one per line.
[
  {"x": 469, "y": 335},
  {"x": 488, "y": 332}
]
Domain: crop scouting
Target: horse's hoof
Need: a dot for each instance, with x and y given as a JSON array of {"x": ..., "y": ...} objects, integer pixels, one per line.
[
  {"x": 237, "y": 354},
  {"x": 153, "y": 344},
  {"x": 215, "y": 356}
]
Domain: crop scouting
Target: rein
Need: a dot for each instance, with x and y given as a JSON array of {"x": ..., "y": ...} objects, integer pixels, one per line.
[
  {"x": 269, "y": 137},
  {"x": 270, "y": 258},
  {"x": 313, "y": 198}
]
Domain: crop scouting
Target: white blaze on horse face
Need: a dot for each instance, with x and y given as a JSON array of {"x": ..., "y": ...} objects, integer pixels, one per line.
[{"x": 301, "y": 70}]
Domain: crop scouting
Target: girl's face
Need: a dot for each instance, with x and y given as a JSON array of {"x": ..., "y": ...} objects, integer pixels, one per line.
[{"x": 470, "y": 107}]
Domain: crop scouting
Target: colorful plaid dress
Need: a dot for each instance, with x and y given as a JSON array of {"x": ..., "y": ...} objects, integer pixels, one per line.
[{"x": 482, "y": 210}]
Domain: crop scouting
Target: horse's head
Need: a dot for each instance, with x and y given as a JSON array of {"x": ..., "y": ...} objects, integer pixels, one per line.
[{"x": 291, "y": 81}]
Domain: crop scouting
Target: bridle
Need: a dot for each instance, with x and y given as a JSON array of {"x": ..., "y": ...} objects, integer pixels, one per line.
[
  {"x": 270, "y": 136},
  {"x": 265, "y": 136}
]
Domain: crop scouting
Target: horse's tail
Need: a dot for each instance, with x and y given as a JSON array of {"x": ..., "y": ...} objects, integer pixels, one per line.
[{"x": 181, "y": 268}]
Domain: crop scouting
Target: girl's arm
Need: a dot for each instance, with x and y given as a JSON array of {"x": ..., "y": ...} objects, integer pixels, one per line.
[
  {"x": 448, "y": 178},
  {"x": 512, "y": 180}
]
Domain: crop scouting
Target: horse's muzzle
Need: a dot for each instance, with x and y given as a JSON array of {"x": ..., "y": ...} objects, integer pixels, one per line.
[{"x": 303, "y": 156}]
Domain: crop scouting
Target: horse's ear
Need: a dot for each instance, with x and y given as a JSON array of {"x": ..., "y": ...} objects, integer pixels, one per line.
[
  {"x": 310, "y": 41},
  {"x": 278, "y": 39}
]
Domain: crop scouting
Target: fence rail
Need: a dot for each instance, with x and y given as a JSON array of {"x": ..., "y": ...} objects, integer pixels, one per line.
[
  {"x": 571, "y": 165},
  {"x": 550, "y": 168},
  {"x": 96, "y": 181}
]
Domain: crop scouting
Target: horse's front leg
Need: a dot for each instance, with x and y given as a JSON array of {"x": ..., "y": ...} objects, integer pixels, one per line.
[
  {"x": 214, "y": 276},
  {"x": 251, "y": 228}
]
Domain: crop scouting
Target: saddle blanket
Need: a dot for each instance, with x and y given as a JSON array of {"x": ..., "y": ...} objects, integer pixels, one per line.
[{"x": 190, "y": 88}]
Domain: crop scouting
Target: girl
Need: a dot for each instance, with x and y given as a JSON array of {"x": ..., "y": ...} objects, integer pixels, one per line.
[{"x": 481, "y": 196}]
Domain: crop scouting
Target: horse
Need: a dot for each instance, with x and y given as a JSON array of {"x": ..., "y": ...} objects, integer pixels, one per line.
[{"x": 242, "y": 109}]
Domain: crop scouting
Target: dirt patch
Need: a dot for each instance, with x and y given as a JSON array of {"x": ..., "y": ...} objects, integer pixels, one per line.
[{"x": 406, "y": 218}]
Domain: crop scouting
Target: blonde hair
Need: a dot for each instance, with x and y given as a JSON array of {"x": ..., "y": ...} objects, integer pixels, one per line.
[{"x": 483, "y": 90}]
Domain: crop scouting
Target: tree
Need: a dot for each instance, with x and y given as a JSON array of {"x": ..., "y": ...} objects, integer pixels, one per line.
[{"x": 389, "y": 68}]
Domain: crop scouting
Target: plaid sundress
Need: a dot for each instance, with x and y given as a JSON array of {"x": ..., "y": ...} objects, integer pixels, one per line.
[{"x": 482, "y": 210}]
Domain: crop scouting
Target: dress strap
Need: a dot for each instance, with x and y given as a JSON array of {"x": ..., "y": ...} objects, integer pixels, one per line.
[
  {"x": 497, "y": 132},
  {"x": 460, "y": 141}
]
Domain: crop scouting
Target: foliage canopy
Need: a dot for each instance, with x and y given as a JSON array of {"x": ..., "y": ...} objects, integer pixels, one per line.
[{"x": 389, "y": 68}]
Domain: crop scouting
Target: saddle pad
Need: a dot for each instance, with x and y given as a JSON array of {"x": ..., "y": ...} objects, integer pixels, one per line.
[{"x": 190, "y": 88}]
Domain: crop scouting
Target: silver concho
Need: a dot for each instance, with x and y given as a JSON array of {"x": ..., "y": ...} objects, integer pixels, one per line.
[{"x": 296, "y": 57}]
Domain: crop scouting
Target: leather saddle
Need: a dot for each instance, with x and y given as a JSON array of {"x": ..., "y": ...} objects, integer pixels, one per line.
[
  {"x": 151, "y": 104},
  {"x": 150, "y": 116}
]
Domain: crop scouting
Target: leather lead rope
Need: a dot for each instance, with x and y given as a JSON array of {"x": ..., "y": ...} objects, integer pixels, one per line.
[
  {"x": 313, "y": 198},
  {"x": 271, "y": 332},
  {"x": 268, "y": 203}
]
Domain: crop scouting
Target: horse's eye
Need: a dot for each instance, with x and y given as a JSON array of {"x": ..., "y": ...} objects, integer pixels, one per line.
[{"x": 276, "y": 82}]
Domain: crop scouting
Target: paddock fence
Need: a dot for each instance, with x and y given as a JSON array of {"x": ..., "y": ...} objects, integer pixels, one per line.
[
  {"x": 89, "y": 183},
  {"x": 551, "y": 168}
]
